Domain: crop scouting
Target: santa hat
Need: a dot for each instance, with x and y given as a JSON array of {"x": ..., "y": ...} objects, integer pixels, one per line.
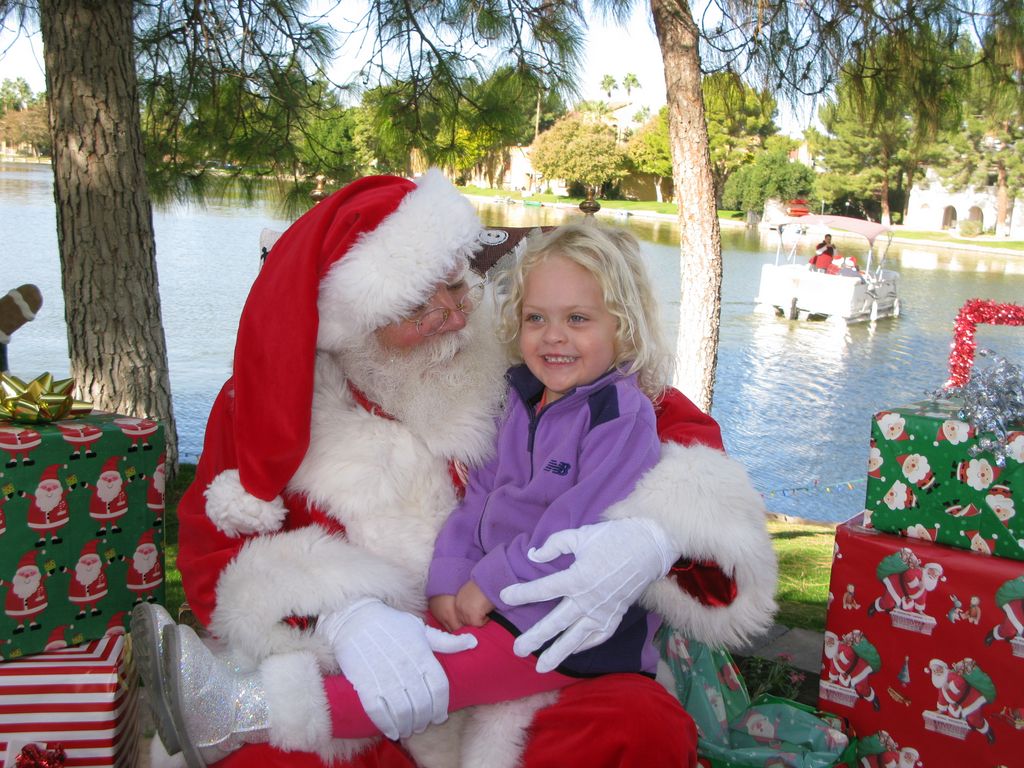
[
  {"x": 88, "y": 549},
  {"x": 979, "y": 543},
  {"x": 28, "y": 559},
  {"x": 50, "y": 473},
  {"x": 145, "y": 538},
  {"x": 362, "y": 258},
  {"x": 56, "y": 639},
  {"x": 110, "y": 465},
  {"x": 116, "y": 624}
]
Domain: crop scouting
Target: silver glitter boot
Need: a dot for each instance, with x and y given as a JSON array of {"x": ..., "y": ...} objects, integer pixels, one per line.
[
  {"x": 148, "y": 622},
  {"x": 215, "y": 708}
]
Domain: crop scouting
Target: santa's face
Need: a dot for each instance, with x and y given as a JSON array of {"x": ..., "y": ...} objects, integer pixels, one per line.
[
  {"x": 977, "y": 473},
  {"x": 447, "y": 299},
  {"x": 160, "y": 477},
  {"x": 48, "y": 494},
  {"x": 1002, "y": 505},
  {"x": 955, "y": 431},
  {"x": 758, "y": 726},
  {"x": 939, "y": 671},
  {"x": 908, "y": 757},
  {"x": 899, "y": 497},
  {"x": 915, "y": 467},
  {"x": 1015, "y": 446},
  {"x": 26, "y": 580},
  {"x": 932, "y": 576},
  {"x": 874, "y": 459},
  {"x": 108, "y": 485},
  {"x": 144, "y": 558},
  {"x": 88, "y": 568},
  {"x": 892, "y": 426}
]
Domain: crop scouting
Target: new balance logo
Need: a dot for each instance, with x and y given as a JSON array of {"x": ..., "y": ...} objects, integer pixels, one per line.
[{"x": 560, "y": 468}]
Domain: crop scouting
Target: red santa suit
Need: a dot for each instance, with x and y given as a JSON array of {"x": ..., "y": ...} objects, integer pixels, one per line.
[
  {"x": 80, "y": 436},
  {"x": 300, "y": 509},
  {"x": 19, "y": 442},
  {"x": 88, "y": 584},
  {"x": 848, "y": 667},
  {"x": 26, "y": 593},
  {"x": 48, "y": 511},
  {"x": 144, "y": 571},
  {"x": 155, "y": 490},
  {"x": 109, "y": 501}
]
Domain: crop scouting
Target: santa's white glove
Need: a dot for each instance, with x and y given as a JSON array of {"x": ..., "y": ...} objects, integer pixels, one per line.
[
  {"x": 388, "y": 656},
  {"x": 616, "y": 560}
]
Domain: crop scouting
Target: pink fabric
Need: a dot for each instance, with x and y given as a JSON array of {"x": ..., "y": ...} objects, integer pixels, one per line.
[{"x": 487, "y": 674}]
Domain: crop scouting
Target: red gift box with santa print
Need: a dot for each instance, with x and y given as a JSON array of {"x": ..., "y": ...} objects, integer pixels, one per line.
[
  {"x": 926, "y": 480},
  {"x": 81, "y": 527},
  {"x": 924, "y": 651},
  {"x": 80, "y": 702}
]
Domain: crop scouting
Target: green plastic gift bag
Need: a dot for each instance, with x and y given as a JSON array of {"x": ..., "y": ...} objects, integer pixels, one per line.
[{"x": 735, "y": 732}]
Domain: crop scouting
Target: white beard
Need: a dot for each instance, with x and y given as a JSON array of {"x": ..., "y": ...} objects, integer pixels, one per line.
[
  {"x": 47, "y": 500},
  {"x": 25, "y": 586},
  {"x": 160, "y": 478},
  {"x": 87, "y": 573},
  {"x": 447, "y": 391},
  {"x": 143, "y": 562},
  {"x": 108, "y": 488}
]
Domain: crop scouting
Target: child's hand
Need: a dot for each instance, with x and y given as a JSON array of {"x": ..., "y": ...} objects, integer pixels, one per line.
[
  {"x": 443, "y": 609},
  {"x": 472, "y": 605}
]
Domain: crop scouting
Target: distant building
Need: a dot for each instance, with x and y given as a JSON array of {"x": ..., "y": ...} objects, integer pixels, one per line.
[{"x": 933, "y": 207}]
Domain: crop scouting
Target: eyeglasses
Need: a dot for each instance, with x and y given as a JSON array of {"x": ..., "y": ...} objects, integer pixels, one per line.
[{"x": 433, "y": 320}]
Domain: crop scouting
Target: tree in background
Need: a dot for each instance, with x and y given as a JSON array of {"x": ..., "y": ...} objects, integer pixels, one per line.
[
  {"x": 739, "y": 120},
  {"x": 608, "y": 84},
  {"x": 987, "y": 148},
  {"x": 23, "y": 117},
  {"x": 629, "y": 82},
  {"x": 577, "y": 149},
  {"x": 648, "y": 150},
  {"x": 771, "y": 175}
]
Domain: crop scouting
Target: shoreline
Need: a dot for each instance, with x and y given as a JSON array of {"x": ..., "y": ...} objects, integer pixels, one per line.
[{"x": 620, "y": 213}]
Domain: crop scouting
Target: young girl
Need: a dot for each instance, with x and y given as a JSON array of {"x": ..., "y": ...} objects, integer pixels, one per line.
[{"x": 577, "y": 434}]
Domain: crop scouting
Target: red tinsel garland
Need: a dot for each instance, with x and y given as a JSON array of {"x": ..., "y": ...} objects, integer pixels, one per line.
[
  {"x": 31, "y": 756},
  {"x": 974, "y": 311}
]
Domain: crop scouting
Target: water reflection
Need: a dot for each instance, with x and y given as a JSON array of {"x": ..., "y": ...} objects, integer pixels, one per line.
[{"x": 794, "y": 399}]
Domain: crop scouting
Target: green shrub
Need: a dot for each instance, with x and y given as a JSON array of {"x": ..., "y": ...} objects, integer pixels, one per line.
[{"x": 969, "y": 228}]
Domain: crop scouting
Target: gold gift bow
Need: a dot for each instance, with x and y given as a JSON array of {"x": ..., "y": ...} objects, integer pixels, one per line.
[{"x": 39, "y": 401}]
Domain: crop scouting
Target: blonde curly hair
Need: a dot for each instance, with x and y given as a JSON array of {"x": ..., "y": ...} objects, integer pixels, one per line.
[{"x": 612, "y": 256}]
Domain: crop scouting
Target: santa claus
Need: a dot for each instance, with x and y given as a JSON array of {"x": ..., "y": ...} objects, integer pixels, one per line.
[
  {"x": 964, "y": 690},
  {"x": 26, "y": 594},
  {"x": 325, "y": 501},
  {"x": 1010, "y": 599},
  {"x": 88, "y": 583},
  {"x": 906, "y": 582},
  {"x": 144, "y": 571},
  {"x": 19, "y": 442},
  {"x": 48, "y": 511},
  {"x": 138, "y": 431},
  {"x": 109, "y": 500},
  {"x": 850, "y": 662},
  {"x": 155, "y": 490},
  {"x": 81, "y": 436}
]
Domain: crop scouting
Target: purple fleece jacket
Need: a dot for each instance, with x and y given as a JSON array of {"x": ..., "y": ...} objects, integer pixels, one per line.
[{"x": 553, "y": 470}]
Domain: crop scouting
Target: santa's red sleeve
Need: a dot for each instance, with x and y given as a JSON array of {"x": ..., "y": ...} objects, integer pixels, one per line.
[{"x": 722, "y": 589}]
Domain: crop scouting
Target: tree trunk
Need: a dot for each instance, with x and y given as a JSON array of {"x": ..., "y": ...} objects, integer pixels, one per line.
[
  {"x": 116, "y": 339},
  {"x": 657, "y": 190},
  {"x": 701, "y": 241}
]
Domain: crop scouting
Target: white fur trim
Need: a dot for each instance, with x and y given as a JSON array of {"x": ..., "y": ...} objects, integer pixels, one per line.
[
  {"x": 237, "y": 512},
  {"x": 393, "y": 268},
  {"x": 300, "y": 718},
  {"x": 439, "y": 745},
  {"x": 496, "y": 735},
  {"x": 708, "y": 507},
  {"x": 305, "y": 572}
]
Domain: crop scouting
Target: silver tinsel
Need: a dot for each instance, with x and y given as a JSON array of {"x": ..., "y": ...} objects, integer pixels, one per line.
[{"x": 992, "y": 403}]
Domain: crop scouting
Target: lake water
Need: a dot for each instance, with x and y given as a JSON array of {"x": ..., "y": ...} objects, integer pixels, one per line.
[{"x": 794, "y": 399}]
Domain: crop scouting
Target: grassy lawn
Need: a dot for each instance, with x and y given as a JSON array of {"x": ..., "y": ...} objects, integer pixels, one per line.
[
  {"x": 805, "y": 560},
  {"x": 987, "y": 241}
]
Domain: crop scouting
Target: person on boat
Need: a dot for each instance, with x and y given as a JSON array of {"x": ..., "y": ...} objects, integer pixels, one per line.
[
  {"x": 844, "y": 265},
  {"x": 823, "y": 255},
  {"x": 332, "y": 458}
]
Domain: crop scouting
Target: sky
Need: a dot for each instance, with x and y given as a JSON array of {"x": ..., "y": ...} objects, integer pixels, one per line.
[{"x": 610, "y": 50}]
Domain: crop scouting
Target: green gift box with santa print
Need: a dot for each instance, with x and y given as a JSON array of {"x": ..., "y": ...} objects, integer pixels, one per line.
[
  {"x": 81, "y": 528},
  {"x": 927, "y": 480}
]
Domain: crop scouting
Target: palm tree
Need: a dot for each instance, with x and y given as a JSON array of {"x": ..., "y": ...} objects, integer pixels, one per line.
[
  {"x": 608, "y": 85},
  {"x": 629, "y": 82}
]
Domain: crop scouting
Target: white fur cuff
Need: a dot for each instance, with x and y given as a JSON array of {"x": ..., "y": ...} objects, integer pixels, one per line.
[
  {"x": 299, "y": 713},
  {"x": 237, "y": 512}
]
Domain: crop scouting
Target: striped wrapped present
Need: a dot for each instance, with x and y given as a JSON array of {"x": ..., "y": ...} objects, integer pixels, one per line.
[{"x": 83, "y": 700}]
